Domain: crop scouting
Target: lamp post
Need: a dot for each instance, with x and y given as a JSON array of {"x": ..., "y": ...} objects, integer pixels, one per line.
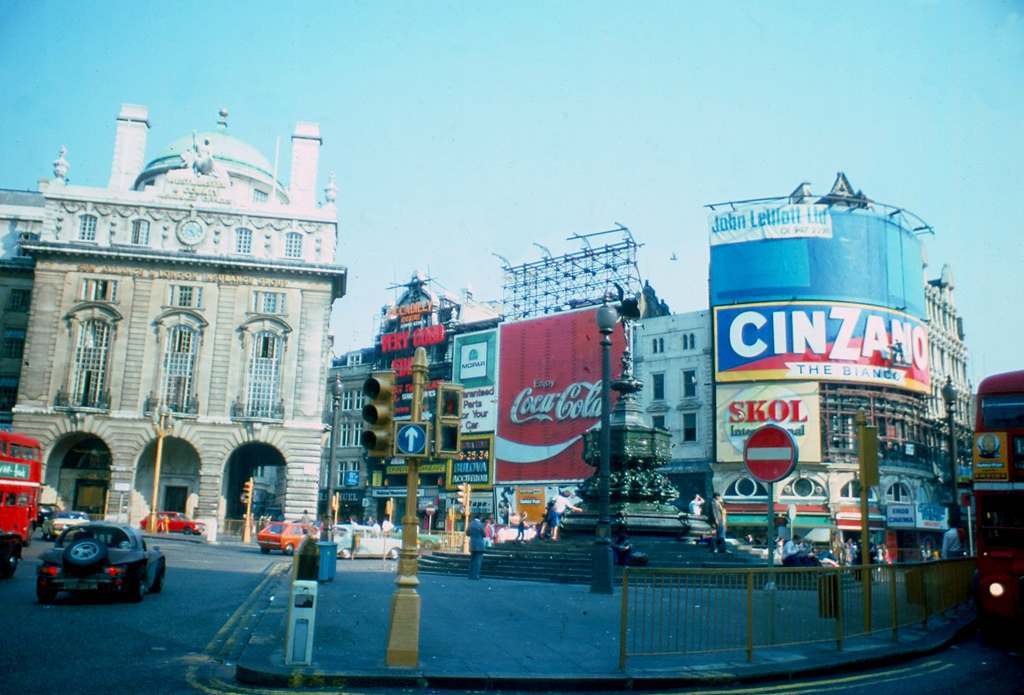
[
  {"x": 163, "y": 423},
  {"x": 949, "y": 396},
  {"x": 601, "y": 574},
  {"x": 332, "y": 447}
]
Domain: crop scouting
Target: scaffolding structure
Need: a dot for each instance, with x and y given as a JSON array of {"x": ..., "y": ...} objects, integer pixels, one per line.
[{"x": 575, "y": 279}]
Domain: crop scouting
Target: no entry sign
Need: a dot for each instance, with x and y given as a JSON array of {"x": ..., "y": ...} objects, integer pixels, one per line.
[{"x": 770, "y": 453}]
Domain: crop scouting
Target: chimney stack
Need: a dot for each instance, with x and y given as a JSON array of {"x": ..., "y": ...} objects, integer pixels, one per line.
[
  {"x": 305, "y": 159},
  {"x": 129, "y": 146}
]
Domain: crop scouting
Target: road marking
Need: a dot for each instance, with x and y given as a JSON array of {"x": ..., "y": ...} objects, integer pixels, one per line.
[
  {"x": 226, "y": 637},
  {"x": 816, "y": 685}
]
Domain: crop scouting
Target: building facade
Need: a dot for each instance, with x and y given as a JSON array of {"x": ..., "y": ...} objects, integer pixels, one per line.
[{"x": 196, "y": 286}]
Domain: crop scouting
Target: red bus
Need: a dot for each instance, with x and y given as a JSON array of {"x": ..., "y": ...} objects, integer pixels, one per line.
[
  {"x": 21, "y": 461},
  {"x": 998, "y": 472}
]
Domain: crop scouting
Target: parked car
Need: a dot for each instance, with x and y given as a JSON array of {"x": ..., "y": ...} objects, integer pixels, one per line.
[
  {"x": 44, "y": 512},
  {"x": 175, "y": 522},
  {"x": 285, "y": 536},
  {"x": 371, "y": 543},
  {"x": 10, "y": 554},
  {"x": 59, "y": 521},
  {"x": 101, "y": 556}
]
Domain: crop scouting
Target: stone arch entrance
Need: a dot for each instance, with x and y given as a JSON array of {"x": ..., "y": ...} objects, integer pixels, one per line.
[
  {"x": 78, "y": 470},
  {"x": 179, "y": 479},
  {"x": 266, "y": 465}
]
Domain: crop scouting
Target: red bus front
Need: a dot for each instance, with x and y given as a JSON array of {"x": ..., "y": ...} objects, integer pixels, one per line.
[
  {"x": 998, "y": 471},
  {"x": 20, "y": 467}
]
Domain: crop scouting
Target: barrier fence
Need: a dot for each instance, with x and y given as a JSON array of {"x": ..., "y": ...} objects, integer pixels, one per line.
[{"x": 695, "y": 611}]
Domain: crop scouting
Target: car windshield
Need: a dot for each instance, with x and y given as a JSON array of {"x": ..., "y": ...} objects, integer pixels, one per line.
[
  {"x": 275, "y": 528},
  {"x": 71, "y": 515},
  {"x": 112, "y": 536}
]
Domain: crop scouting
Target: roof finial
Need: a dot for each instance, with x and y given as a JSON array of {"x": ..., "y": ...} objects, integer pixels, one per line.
[
  {"x": 61, "y": 166},
  {"x": 222, "y": 121}
]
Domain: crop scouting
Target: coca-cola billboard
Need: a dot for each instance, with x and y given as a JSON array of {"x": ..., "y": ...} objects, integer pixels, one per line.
[{"x": 549, "y": 394}]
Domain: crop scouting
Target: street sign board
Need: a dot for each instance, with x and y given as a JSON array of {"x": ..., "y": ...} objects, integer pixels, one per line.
[
  {"x": 770, "y": 453},
  {"x": 411, "y": 440}
]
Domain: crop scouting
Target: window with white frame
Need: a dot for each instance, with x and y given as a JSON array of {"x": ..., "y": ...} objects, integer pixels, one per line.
[
  {"x": 185, "y": 296},
  {"x": 657, "y": 345},
  {"x": 349, "y": 434},
  {"x": 264, "y": 375},
  {"x": 179, "y": 367},
  {"x": 87, "y": 228},
  {"x": 352, "y": 399},
  {"x": 353, "y": 359},
  {"x": 259, "y": 195},
  {"x": 689, "y": 383},
  {"x": 348, "y": 474},
  {"x": 898, "y": 492},
  {"x": 243, "y": 241},
  {"x": 745, "y": 487},
  {"x": 658, "y": 387},
  {"x": 268, "y": 302},
  {"x": 99, "y": 290},
  {"x": 689, "y": 427},
  {"x": 140, "y": 232},
  {"x": 293, "y": 245},
  {"x": 89, "y": 375},
  {"x": 851, "y": 491}
]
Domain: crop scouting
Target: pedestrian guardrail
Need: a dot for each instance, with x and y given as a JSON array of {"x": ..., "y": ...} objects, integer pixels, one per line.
[{"x": 694, "y": 611}]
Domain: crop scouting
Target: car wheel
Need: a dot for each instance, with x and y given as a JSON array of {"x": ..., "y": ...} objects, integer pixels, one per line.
[
  {"x": 393, "y": 554},
  {"x": 45, "y": 594},
  {"x": 84, "y": 553},
  {"x": 8, "y": 566},
  {"x": 135, "y": 590},
  {"x": 289, "y": 549},
  {"x": 158, "y": 582},
  {"x": 265, "y": 551}
]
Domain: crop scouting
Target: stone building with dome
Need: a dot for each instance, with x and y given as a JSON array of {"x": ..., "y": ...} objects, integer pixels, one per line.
[{"x": 196, "y": 285}]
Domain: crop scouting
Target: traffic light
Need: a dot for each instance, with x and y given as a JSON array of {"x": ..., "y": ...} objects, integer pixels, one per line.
[
  {"x": 247, "y": 491},
  {"x": 448, "y": 421},
  {"x": 377, "y": 414},
  {"x": 465, "y": 496}
]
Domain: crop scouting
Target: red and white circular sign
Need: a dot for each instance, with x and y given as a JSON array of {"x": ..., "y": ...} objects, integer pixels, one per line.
[{"x": 770, "y": 453}]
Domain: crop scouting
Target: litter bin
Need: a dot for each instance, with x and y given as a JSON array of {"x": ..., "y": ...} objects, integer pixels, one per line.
[{"x": 328, "y": 560}]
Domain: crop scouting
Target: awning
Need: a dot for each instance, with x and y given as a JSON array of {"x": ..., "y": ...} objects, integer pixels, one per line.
[{"x": 802, "y": 520}]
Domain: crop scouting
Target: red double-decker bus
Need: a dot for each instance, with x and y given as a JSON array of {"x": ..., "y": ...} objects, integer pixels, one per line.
[
  {"x": 21, "y": 460},
  {"x": 998, "y": 472}
]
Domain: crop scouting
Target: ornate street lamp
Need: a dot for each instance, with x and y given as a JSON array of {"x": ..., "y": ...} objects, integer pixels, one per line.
[
  {"x": 164, "y": 423},
  {"x": 601, "y": 574},
  {"x": 333, "y": 450},
  {"x": 949, "y": 396}
]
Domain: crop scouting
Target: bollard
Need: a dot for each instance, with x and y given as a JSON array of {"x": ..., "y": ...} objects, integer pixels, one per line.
[{"x": 298, "y": 646}]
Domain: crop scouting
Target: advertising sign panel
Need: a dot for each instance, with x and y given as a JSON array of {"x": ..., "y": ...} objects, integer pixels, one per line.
[
  {"x": 743, "y": 408},
  {"x": 932, "y": 517},
  {"x": 769, "y": 222},
  {"x": 475, "y": 358},
  {"x": 476, "y": 464},
  {"x": 821, "y": 341},
  {"x": 549, "y": 394},
  {"x": 991, "y": 459},
  {"x": 900, "y": 516}
]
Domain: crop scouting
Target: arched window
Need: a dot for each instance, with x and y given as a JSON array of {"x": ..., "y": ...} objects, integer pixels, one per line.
[
  {"x": 89, "y": 378},
  {"x": 140, "y": 232},
  {"x": 243, "y": 241},
  {"x": 293, "y": 245},
  {"x": 746, "y": 488},
  {"x": 898, "y": 492},
  {"x": 87, "y": 228},
  {"x": 179, "y": 368},
  {"x": 802, "y": 487},
  {"x": 851, "y": 491},
  {"x": 264, "y": 376}
]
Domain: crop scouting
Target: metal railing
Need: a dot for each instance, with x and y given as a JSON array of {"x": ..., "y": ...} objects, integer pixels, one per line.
[
  {"x": 696, "y": 611},
  {"x": 234, "y": 528}
]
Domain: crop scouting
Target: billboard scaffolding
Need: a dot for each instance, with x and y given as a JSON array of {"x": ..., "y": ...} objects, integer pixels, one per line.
[{"x": 575, "y": 279}]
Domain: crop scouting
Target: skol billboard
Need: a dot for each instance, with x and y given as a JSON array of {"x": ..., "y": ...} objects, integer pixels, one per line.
[
  {"x": 815, "y": 252},
  {"x": 820, "y": 341},
  {"x": 743, "y": 408},
  {"x": 549, "y": 394}
]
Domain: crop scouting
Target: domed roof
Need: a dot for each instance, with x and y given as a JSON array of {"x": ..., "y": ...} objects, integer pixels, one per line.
[{"x": 230, "y": 151}]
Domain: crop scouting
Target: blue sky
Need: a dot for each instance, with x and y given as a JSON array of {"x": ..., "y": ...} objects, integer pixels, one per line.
[{"x": 459, "y": 129}]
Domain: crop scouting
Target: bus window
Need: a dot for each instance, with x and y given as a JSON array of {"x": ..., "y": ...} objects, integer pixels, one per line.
[
  {"x": 10, "y": 499},
  {"x": 1002, "y": 412}
]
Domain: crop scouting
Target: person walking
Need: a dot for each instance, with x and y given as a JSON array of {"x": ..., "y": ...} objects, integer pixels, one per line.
[
  {"x": 560, "y": 504},
  {"x": 476, "y": 547},
  {"x": 521, "y": 531},
  {"x": 720, "y": 517}
]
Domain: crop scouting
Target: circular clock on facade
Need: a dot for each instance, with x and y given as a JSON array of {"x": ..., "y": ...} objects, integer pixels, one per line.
[{"x": 191, "y": 233}]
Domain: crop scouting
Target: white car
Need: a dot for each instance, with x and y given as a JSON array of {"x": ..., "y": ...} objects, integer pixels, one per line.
[{"x": 372, "y": 543}]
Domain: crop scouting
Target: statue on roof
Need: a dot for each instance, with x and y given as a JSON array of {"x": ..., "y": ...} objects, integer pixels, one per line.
[{"x": 199, "y": 159}]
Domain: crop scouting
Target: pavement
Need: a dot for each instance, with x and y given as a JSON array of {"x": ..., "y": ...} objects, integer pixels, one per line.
[{"x": 521, "y": 635}]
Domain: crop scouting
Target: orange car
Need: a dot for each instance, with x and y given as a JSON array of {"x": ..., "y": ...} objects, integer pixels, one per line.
[{"x": 284, "y": 535}]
